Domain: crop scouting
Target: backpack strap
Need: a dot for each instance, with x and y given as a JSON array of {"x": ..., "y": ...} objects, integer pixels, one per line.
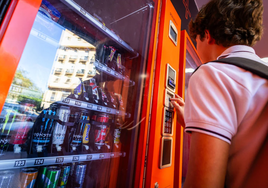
[{"x": 250, "y": 65}]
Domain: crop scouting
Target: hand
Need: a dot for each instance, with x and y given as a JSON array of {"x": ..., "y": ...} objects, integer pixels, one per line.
[{"x": 178, "y": 104}]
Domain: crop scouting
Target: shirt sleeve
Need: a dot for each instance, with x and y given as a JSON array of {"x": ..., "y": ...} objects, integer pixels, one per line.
[{"x": 210, "y": 107}]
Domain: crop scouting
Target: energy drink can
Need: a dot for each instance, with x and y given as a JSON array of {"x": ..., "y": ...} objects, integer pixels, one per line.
[
  {"x": 42, "y": 176},
  {"x": 86, "y": 132},
  {"x": 6, "y": 178},
  {"x": 28, "y": 177},
  {"x": 43, "y": 129},
  {"x": 80, "y": 172},
  {"x": 52, "y": 177},
  {"x": 60, "y": 130},
  {"x": 65, "y": 172}
]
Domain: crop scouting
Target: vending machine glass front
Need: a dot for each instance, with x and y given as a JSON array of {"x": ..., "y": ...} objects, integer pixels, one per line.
[
  {"x": 71, "y": 115},
  {"x": 192, "y": 62}
]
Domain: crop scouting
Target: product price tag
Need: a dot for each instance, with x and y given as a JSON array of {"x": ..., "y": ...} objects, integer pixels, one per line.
[
  {"x": 78, "y": 103},
  {"x": 108, "y": 110},
  {"x": 75, "y": 158},
  {"x": 117, "y": 112},
  {"x": 100, "y": 65},
  {"x": 83, "y": 11},
  {"x": 66, "y": 100},
  {"x": 102, "y": 156},
  {"x": 108, "y": 70},
  {"x": 39, "y": 161},
  {"x": 120, "y": 40},
  {"x": 59, "y": 160},
  {"x": 103, "y": 27},
  {"x": 20, "y": 163},
  {"x": 90, "y": 106},
  {"x": 116, "y": 74},
  {"x": 112, "y": 154},
  {"x": 89, "y": 157},
  {"x": 99, "y": 108}
]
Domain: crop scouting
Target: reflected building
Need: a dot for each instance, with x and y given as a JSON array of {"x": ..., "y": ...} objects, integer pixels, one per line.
[{"x": 73, "y": 63}]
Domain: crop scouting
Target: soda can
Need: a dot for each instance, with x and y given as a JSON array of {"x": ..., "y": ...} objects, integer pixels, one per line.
[
  {"x": 6, "y": 178},
  {"x": 28, "y": 177},
  {"x": 80, "y": 172},
  {"x": 100, "y": 135},
  {"x": 65, "y": 172},
  {"x": 52, "y": 177},
  {"x": 103, "y": 118},
  {"x": 42, "y": 176}
]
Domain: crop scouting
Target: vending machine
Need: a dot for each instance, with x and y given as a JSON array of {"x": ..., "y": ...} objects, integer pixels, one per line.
[{"x": 72, "y": 91}]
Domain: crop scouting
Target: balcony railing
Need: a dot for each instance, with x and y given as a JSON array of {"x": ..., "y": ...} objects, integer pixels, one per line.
[
  {"x": 84, "y": 58},
  {"x": 80, "y": 72},
  {"x": 69, "y": 71},
  {"x": 91, "y": 73},
  {"x": 73, "y": 57},
  {"x": 58, "y": 70},
  {"x": 62, "y": 57}
]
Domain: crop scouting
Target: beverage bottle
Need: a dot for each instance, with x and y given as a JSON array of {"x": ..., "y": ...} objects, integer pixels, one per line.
[
  {"x": 63, "y": 112},
  {"x": 95, "y": 94},
  {"x": 119, "y": 99},
  {"x": 105, "y": 100},
  {"x": 113, "y": 101},
  {"x": 111, "y": 58}
]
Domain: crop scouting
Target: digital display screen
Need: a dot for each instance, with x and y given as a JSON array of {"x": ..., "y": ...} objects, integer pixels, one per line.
[
  {"x": 173, "y": 34},
  {"x": 166, "y": 152}
]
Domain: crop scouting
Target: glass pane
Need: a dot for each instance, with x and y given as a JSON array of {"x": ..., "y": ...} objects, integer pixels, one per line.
[
  {"x": 70, "y": 118},
  {"x": 192, "y": 62}
]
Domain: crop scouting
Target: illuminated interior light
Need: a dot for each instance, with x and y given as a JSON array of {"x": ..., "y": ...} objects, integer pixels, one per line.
[{"x": 189, "y": 70}]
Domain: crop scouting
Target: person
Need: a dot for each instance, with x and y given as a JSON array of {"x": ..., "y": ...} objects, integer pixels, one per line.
[{"x": 226, "y": 107}]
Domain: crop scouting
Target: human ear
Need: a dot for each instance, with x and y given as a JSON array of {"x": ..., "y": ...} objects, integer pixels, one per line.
[{"x": 209, "y": 38}]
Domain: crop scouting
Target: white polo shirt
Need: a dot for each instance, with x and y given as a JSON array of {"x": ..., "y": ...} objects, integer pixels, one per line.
[{"x": 230, "y": 103}]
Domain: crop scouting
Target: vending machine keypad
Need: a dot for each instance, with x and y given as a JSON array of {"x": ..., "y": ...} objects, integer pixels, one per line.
[{"x": 168, "y": 122}]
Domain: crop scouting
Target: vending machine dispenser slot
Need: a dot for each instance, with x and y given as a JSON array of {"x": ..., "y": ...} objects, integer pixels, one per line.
[{"x": 166, "y": 152}]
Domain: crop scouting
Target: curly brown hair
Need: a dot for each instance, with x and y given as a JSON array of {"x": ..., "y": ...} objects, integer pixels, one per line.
[{"x": 230, "y": 22}]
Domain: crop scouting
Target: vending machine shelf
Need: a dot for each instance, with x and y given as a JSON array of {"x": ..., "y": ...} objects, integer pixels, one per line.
[
  {"x": 43, "y": 161},
  {"x": 91, "y": 106},
  {"x": 109, "y": 71},
  {"x": 101, "y": 27}
]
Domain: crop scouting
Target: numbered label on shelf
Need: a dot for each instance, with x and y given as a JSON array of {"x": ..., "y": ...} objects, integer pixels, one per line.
[
  {"x": 67, "y": 101},
  {"x": 75, "y": 158},
  {"x": 101, "y": 156},
  {"x": 99, "y": 108},
  {"x": 77, "y": 103},
  {"x": 89, "y": 157},
  {"x": 20, "y": 163},
  {"x": 108, "y": 110},
  {"x": 39, "y": 161},
  {"x": 112, "y": 154},
  {"x": 90, "y": 106},
  {"x": 59, "y": 160}
]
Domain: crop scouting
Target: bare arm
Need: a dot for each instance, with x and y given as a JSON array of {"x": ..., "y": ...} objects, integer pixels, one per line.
[{"x": 208, "y": 162}]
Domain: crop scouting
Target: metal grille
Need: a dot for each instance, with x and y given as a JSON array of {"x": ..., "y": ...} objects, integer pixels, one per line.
[{"x": 4, "y": 4}]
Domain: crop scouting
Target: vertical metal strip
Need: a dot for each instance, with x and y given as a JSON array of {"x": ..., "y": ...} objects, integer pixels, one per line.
[{"x": 150, "y": 111}]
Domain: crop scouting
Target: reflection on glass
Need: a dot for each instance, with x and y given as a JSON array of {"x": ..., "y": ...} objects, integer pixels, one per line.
[{"x": 74, "y": 94}]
